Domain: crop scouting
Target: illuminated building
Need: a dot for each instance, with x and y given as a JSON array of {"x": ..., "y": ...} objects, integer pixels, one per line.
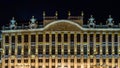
[{"x": 67, "y": 43}]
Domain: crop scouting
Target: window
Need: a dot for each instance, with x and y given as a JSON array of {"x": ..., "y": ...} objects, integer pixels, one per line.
[
  {"x": 59, "y": 60},
  {"x": 47, "y": 66},
  {"x": 39, "y": 66},
  {"x": 33, "y": 39},
  {"x": 104, "y": 60},
  {"x": 91, "y": 49},
  {"x": 59, "y": 49},
  {"x": 110, "y": 60},
  {"x": 109, "y": 49},
  {"x": 47, "y": 37},
  {"x": 59, "y": 37},
  {"x": 85, "y": 60},
  {"x": 32, "y": 60},
  {"x": 78, "y": 60},
  {"x": 65, "y": 49},
  {"x": 85, "y": 38},
  {"x": 116, "y": 60},
  {"x": 6, "y": 39},
  {"x": 97, "y": 49},
  {"x": 33, "y": 50},
  {"x": 40, "y": 49},
  {"x": 85, "y": 49},
  {"x": 53, "y": 60},
  {"x": 32, "y": 66},
  {"x": 103, "y": 38},
  {"x": 13, "y": 39},
  {"x": 97, "y": 60},
  {"x": 19, "y": 38},
  {"x": 40, "y": 37},
  {"x": 78, "y": 50},
  {"x": 6, "y": 50},
  {"x": 97, "y": 37},
  {"x": 72, "y": 50},
  {"x": 116, "y": 38},
  {"x": 78, "y": 38},
  {"x": 6, "y": 61},
  {"x": 103, "y": 50},
  {"x": 65, "y": 38},
  {"x": 109, "y": 38},
  {"x": 91, "y": 60},
  {"x": 116, "y": 49},
  {"x": 72, "y": 60},
  {"x": 6, "y": 66},
  {"x": 72, "y": 37},
  {"x": 40, "y": 60},
  {"x": 53, "y": 37},
  {"x": 19, "y": 50},
  {"x": 19, "y": 61},
  {"x": 53, "y": 50},
  {"x": 25, "y": 38},
  {"x": 25, "y": 60},
  {"x": 53, "y": 66},
  {"x": 47, "y": 60},
  {"x": 25, "y": 51},
  {"x": 12, "y": 61},
  {"x": 12, "y": 66},
  {"x": 47, "y": 49},
  {"x": 91, "y": 38},
  {"x": 65, "y": 60},
  {"x": 72, "y": 67},
  {"x": 12, "y": 49}
]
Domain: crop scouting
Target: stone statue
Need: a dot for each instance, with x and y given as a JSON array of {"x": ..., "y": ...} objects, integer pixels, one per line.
[
  {"x": 12, "y": 23},
  {"x": 32, "y": 23}
]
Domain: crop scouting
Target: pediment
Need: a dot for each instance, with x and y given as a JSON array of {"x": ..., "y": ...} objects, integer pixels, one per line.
[{"x": 62, "y": 26}]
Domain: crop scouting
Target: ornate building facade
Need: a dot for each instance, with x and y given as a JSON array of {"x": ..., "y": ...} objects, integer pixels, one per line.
[{"x": 67, "y": 43}]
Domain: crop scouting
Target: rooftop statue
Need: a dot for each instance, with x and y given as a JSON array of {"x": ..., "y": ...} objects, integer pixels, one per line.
[
  {"x": 12, "y": 23},
  {"x": 110, "y": 21},
  {"x": 91, "y": 21},
  {"x": 33, "y": 20},
  {"x": 32, "y": 23}
]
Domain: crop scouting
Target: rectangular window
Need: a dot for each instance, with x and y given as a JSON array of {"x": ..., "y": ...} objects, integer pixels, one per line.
[
  {"x": 12, "y": 49},
  {"x": 91, "y": 49},
  {"x": 59, "y": 37},
  {"x": 72, "y": 37},
  {"x": 78, "y": 38},
  {"x": 25, "y": 60},
  {"x": 98, "y": 49},
  {"x": 116, "y": 50},
  {"x": 25, "y": 51},
  {"x": 6, "y": 39},
  {"x": 85, "y": 49},
  {"x": 65, "y": 38},
  {"x": 85, "y": 38},
  {"x": 109, "y": 49},
  {"x": 59, "y": 60},
  {"x": 33, "y": 50},
  {"x": 78, "y": 50},
  {"x": 6, "y": 50},
  {"x": 103, "y": 50},
  {"x": 78, "y": 60},
  {"x": 19, "y": 61},
  {"x": 72, "y": 50},
  {"x": 40, "y": 60},
  {"x": 53, "y": 37},
  {"x": 65, "y": 49},
  {"x": 25, "y": 38},
  {"x": 19, "y": 39},
  {"x": 91, "y": 38},
  {"x": 33, "y": 39},
  {"x": 59, "y": 49},
  {"x": 85, "y": 60},
  {"x": 19, "y": 50},
  {"x": 40, "y": 49},
  {"x": 40, "y": 37},
  {"x": 53, "y": 50},
  {"x": 47, "y": 37},
  {"x": 13, "y": 39},
  {"x": 47, "y": 49},
  {"x": 116, "y": 38},
  {"x": 47, "y": 60},
  {"x": 72, "y": 60},
  {"x": 109, "y": 38},
  {"x": 103, "y": 38},
  {"x": 97, "y": 37},
  {"x": 53, "y": 60},
  {"x": 32, "y": 60},
  {"x": 65, "y": 60}
]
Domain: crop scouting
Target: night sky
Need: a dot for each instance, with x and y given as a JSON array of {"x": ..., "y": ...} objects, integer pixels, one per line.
[{"x": 22, "y": 10}]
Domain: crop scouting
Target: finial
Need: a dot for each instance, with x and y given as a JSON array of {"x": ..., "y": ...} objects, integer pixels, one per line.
[
  {"x": 91, "y": 16},
  {"x": 82, "y": 13},
  {"x": 13, "y": 18},
  {"x": 69, "y": 13},
  {"x": 44, "y": 13},
  {"x": 32, "y": 16},
  {"x": 56, "y": 13}
]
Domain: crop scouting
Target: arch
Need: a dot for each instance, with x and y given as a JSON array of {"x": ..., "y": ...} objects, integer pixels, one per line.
[{"x": 62, "y": 21}]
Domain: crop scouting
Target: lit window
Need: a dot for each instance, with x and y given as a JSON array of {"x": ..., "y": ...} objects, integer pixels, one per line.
[
  {"x": 97, "y": 49},
  {"x": 19, "y": 50},
  {"x": 65, "y": 49},
  {"x": 78, "y": 50},
  {"x": 53, "y": 50},
  {"x": 33, "y": 50},
  {"x": 25, "y": 51},
  {"x": 72, "y": 60},
  {"x": 40, "y": 49},
  {"x": 103, "y": 50},
  {"x": 65, "y": 60},
  {"x": 47, "y": 60},
  {"x": 72, "y": 50},
  {"x": 78, "y": 60},
  {"x": 13, "y": 49},
  {"x": 109, "y": 49},
  {"x": 85, "y": 49},
  {"x": 6, "y": 50}
]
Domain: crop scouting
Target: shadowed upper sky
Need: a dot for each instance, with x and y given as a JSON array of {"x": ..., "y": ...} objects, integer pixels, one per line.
[{"x": 22, "y": 10}]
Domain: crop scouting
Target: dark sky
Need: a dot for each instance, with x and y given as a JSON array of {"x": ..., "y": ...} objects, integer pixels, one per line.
[{"x": 22, "y": 10}]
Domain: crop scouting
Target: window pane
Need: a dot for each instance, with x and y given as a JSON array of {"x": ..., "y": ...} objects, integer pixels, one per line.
[
  {"x": 78, "y": 37},
  {"x": 47, "y": 37},
  {"x": 65, "y": 37},
  {"x": 40, "y": 37}
]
